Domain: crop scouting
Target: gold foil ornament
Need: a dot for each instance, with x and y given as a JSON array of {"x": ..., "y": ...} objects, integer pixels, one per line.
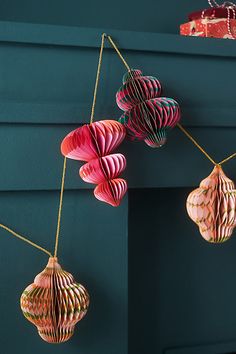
[
  {"x": 54, "y": 303},
  {"x": 212, "y": 206}
]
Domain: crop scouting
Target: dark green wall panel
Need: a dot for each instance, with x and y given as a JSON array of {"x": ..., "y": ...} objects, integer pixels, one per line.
[
  {"x": 218, "y": 348},
  {"x": 93, "y": 247},
  {"x": 54, "y": 83},
  {"x": 181, "y": 288},
  {"x": 154, "y": 16},
  {"x": 31, "y": 158}
]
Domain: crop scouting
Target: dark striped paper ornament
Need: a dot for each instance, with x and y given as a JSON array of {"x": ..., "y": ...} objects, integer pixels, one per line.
[{"x": 147, "y": 116}]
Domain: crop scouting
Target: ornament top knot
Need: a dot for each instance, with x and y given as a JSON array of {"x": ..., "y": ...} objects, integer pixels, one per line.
[
  {"x": 133, "y": 73},
  {"x": 147, "y": 116},
  {"x": 137, "y": 88},
  {"x": 212, "y": 206}
]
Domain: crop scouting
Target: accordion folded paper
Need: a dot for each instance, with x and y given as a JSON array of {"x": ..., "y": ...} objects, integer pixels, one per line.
[
  {"x": 147, "y": 116},
  {"x": 212, "y": 206},
  {"x": 54, "y": 303},
  {"x": 93, "y": 143}
]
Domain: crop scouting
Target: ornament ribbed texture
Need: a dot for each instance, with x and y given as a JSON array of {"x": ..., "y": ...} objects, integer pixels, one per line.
[
  {"x": 94, "y": 143},
  {"x": 147, "y": 116},
  {"x": 212, "y": 206},
  {"x": 54, "y": 303}
]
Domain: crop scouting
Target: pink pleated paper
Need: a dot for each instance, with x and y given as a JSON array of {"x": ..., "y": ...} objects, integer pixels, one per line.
[
  {"x": 147, "y": 116},
  {"x": 94, "y": 143},
  {"x": 54, "y": 303}
]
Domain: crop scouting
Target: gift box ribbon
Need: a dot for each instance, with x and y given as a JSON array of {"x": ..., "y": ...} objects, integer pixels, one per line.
[
  {"x": 227, "y": 10},
  {"x": 214, "y": 12}
]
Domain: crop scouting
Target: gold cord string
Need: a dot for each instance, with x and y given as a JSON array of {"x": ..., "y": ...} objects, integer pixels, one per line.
[
  {"x": 58, "y": 221},
  {"x": 227, "y": 159},
  {"x": 118, "y": 52},
  {"x": 97, "y": 78},
  {"x": 136, "y": 85},
  {"x": 179, "y": 125},
  {"x": 60, "y": 208},
  {"x": 25, "y": 239},
  {"x": 196, "y": 143},
  {"x": 201, "y": 148}
]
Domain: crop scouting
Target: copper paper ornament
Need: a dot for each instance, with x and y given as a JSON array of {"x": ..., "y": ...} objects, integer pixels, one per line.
[
  {"x": 54, "y": 303},
  {"x": 93, "y": 143},
  {"x": 212, "y": 206},
  {"x": 147, "y": 116}
]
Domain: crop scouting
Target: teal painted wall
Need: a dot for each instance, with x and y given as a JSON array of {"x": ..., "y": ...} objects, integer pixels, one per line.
[
  {"x": 182, "y": 289},
  {"x": 154, "y": 16},
  {"x": 93, "y": 247}
]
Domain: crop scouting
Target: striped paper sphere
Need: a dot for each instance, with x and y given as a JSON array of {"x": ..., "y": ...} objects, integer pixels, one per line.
[
  {"x": 94, "y": 143},
  {"x": 147, "y": 116},
  {"x": 212, "y": 206},
  {"x": 54, "y": 303}
]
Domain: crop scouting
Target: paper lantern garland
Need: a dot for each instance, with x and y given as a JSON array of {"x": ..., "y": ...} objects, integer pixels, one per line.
[
  {"x": 212, "y": 206},
  {"x": 94, "y": 143},
  {"x": 147, "y": 116},
  {"x": 54, "y": 303}
]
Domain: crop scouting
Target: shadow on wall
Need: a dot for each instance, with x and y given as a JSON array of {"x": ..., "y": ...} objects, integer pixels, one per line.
[{"x": 181, "y": 288}]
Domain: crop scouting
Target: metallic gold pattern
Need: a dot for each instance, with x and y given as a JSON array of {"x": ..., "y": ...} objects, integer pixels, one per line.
[
  {"x": 212, "y": 206},
  {"x": 54, "y": 303}
]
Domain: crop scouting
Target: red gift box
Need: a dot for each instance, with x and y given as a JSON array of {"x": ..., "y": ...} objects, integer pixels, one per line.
[
  {"x": 212, "y": 12},
  {"x": 217, "y": 22}
]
